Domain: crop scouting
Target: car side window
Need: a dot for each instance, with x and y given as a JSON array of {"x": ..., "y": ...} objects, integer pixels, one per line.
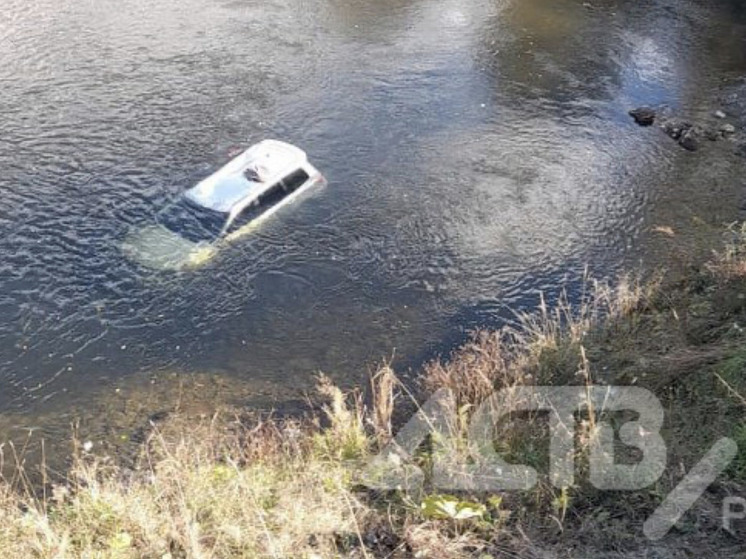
[
  {"x": 294, "y": 180},
  {"x": 258, "y": 207},
  {"x": 244, "y": 218}
]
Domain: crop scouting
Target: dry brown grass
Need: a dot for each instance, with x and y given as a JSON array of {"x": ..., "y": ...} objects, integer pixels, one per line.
[
  {"x": 383, "y": 384},
  {"x": 730, "y": 262},
  {"x": 547, "y": 347},
  {"x": 482, "y": 365},
  {"x": 214, "y": 491},
  {"x": 569, "y": 323}
]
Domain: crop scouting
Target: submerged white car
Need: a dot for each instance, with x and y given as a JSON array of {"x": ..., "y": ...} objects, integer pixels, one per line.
[{"x": 222, "y": 207}]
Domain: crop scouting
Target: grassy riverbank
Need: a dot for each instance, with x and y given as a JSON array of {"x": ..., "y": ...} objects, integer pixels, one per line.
[{"x": 237, "y": 486}]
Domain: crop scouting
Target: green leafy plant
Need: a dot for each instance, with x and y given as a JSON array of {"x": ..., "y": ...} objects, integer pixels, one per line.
[{"x": 439, "y": 507}]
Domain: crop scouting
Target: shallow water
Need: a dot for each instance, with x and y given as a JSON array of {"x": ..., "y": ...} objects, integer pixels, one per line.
[{"x": 477, "y": 153}]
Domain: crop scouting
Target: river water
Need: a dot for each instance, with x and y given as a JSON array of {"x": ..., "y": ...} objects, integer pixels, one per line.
[{"x": 477, "y": 153}]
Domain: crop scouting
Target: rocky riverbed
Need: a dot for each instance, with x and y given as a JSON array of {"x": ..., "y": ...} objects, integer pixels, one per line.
[{"x": 726, "y": 121}]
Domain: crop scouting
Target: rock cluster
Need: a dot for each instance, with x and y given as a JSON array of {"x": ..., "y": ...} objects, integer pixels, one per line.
[{"x": 688, "y": 135}]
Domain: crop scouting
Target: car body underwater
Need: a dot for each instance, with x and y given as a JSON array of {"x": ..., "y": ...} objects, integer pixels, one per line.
[{"x": 223, "y": 207}]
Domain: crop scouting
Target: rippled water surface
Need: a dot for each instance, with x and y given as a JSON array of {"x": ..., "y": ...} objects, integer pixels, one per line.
[{"x": 477, "y": 153}]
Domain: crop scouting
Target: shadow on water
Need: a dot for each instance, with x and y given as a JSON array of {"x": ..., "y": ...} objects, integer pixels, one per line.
[{"x": 477, "y": 154}]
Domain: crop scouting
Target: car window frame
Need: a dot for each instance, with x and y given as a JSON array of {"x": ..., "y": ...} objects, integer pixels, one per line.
[
  {"x": 281, "y": 184},
  {"x": 232, "y": 226},
  {"x": 298, "y": 171}
]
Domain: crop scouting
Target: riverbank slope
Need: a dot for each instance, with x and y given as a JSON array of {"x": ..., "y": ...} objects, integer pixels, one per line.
[{"x": 235, "y": 485}]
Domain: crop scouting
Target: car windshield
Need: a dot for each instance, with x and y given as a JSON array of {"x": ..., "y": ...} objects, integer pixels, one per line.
[{"x": 193, "y": 222}]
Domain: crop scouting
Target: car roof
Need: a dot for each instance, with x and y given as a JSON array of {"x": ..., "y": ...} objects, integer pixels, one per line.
[{"x": 228, "y": 186}]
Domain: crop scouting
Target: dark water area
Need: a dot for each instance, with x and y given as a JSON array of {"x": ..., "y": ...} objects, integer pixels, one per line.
[{"x": 478, "y": 153}]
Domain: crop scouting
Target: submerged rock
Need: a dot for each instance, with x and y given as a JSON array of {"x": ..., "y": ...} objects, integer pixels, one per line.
[
  {"x": 690, "y": 139},
  {"x": 644, "y": 116},
  {"x": 727, "y": 130},
  {"x": 733, "y": 101},
  {"x": 688, "y": 134},
  {"x": 676, "y": 128}
]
